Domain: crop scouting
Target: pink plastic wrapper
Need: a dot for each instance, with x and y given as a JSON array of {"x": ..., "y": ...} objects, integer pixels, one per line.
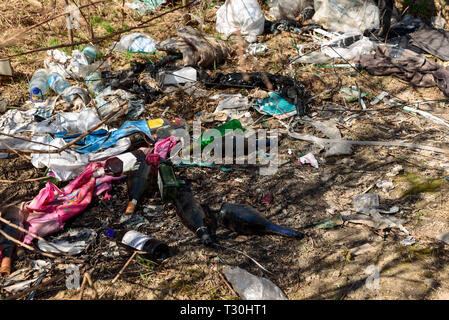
[{"x": 53, "y": 206}]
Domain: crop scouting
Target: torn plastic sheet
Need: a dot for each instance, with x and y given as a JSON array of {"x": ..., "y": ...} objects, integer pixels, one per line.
[
  {"x": 329, "y": 128},
  {"x": 109, "y": 100},
  {"x": 102, "y": 139},
  {"x": 68, "y": 164},
  {"x": 72, "y": 242},
  {"x": 309, "y": 159},
  {"x": 73, "y": 122},
  {"x": 275, "y": 106},
  {"x": 341, "y": 47}
]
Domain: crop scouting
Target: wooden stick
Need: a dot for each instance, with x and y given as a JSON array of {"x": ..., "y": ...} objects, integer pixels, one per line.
[
  {"x": 226, "y": 283},
  {"x": 100, "y": 39},
  {"x": 70, "y": 29},
  {"x": 120, "y": 272},
  {"x": 39, "y": 238},
  {"x": 119, "y": 108},
  {"x": 42, "y": 22},
  {"x": 25, "y": 139},
  {"x": 7, "y": 236},
  {"x": 26, "y": 180},
  {"x": 26, "y": 158}
]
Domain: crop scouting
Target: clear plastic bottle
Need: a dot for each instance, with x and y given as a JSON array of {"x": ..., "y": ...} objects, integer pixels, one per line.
[
  {"x": 57, "y": 83},
  {"x": 60, "y": 85},
  {"x": 39, "y": 85}
]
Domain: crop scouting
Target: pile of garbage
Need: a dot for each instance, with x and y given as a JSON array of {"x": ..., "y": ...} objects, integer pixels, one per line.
[{"x": 103, "y": 140}]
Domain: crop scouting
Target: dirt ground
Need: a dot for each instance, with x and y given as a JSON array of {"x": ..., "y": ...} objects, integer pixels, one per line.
[{"x": 323, "y": 264}]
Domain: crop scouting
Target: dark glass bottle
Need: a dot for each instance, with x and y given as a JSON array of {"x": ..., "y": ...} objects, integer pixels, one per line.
[
  {"x": 244, "y": 219},
  {"x": 138, "y": 183},
  {"x": 124, "y": 163},
  {"x": 193, "y": 216},
  {"x": 135, "y": 240}
]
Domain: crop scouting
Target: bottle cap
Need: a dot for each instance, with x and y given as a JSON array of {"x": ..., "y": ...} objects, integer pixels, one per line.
[
  {"x": 110, "y": 233},
  {"x": 5, "y": 266},
  {"x": 36, "y": 91}
]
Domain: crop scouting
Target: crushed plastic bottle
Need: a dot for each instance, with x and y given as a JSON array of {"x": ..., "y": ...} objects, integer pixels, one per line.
[
  {"x": 39, "y": 85},
  {"x": 251, "y": 287},
  {"x": 94, "y": 83},
  {"x": 136, "y": 42}
]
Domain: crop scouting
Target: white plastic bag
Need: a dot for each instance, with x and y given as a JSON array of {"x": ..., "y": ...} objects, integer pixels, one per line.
[
  {"x": 243, "y": 15},
  {"x": 346, "y": 15}
]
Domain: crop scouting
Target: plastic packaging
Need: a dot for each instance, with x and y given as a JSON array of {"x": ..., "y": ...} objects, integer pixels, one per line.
[
  {"x": 346, "y": 15},
  {"x": 251, "y": 287},
  {"x": 291, "y": 9},
  {"x": 82, "y": 60},
  {"x": 184, "y": 75},
  {"x": 39, "y": 85},
  {"x": 364, "y": 203},
  {"x": 136, "y": 42},
  {"x": 245, "y": 16}
]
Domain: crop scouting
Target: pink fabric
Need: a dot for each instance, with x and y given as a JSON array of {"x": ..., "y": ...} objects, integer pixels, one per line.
[
  {"x": 163, "y": 147},
  {"x": 53, "y": 206}
]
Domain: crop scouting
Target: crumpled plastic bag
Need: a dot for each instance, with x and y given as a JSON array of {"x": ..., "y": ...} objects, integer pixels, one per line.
[
  {"x": 291, "y": 9},
  {"x": 346, "y": 15},
  {"x": 136, "y": 42},
  {"x": 245, "y": 16},
  {"x": 251, "y": 287},
  {"x": 79, "y": 240}
]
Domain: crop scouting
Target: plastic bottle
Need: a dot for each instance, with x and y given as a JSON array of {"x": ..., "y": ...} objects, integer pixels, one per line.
[
  {"x": 193, "y": 216},
  {"x": 91, "y": 53},
  {"x": 138, "y": 183},
  {"x": 154, "y": 248},
  {"x": 124, "y": 163},
  {"x": 39, "y": 85},
  {"x": 94, "y": 83},
  {"x": 246, "y": 220}
]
